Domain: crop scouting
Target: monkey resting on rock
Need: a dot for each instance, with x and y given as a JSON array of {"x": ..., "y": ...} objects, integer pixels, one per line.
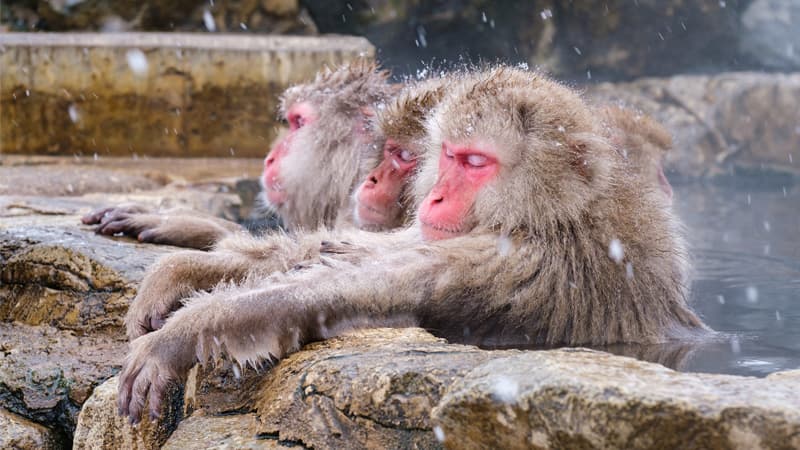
[
  {"x": 308, "y": 175},
  {"x": 527, "y": 231}
]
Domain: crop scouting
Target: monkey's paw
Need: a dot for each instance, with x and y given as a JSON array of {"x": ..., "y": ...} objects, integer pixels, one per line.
[
  {"x": 154, "y": 362},
  {"x": 102, "y": 215},
  {"x": 148, "y": 313}
]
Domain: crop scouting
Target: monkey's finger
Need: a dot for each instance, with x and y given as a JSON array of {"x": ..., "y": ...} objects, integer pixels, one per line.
[
  {"x": 113, "y": 215},
  {"x": 156, "y": 398},
  {"x": 126, "y": 379},
  {"x": 95, "y": 216},
  {"x": 150, "y": 235},
  {"x": 139, "y": 392},
  {"x": 126, "y": 226}
]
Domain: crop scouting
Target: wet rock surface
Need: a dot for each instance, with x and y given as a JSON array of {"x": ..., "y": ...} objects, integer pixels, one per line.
[
  {"x": 64, "y": 289},
  {"x": 232, "y": 431},
  {"x": 403, "y": 388},
  {"x": 21, "y": 434},
  {"x": 584, "y": 399},
  {"x": 737, "y": 123},
  {"x": 46, "y": 374}
]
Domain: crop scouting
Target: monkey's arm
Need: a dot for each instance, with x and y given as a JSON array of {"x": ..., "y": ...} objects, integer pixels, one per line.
[
  {"x": 180, "y": 275},
  {"x": 260, "y": 323},
  {"x": 181, "y": 227}
]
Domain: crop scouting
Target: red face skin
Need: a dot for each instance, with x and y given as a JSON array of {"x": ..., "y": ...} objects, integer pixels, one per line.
[
  {"x": 463, "y": 171},
  {"x": 378, "y": 196},
  {"x": 299, "y": 115}
]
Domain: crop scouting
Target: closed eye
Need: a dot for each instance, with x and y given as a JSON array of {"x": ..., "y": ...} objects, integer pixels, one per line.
[
  {"x": 405, "y": 155},
  {"x": 476, "y": 160}
]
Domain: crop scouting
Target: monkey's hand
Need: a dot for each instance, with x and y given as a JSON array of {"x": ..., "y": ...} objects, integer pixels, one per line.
[
  {"x": 171, "y": 279},
  {"x": 177, "y": 276},
  {"x": 154, "y": 362},
  {"x": 179, "y": 229},
  {"x": 101, "y": 215}
]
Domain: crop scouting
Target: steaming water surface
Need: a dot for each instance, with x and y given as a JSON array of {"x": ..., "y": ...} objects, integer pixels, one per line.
[{"x": 746, "y": 248}]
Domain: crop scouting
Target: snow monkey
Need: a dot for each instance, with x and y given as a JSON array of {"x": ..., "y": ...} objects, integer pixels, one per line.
[
  {"x": 527, "y": 231},
  {"x": 383, "y": 200},
  {"x": 642, "y": 141},
  {"x": 309, "y": 173},
  {"x": 385, "y": 191}
]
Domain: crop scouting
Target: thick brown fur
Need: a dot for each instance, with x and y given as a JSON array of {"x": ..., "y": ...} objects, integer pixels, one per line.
[
  {"x": 641, "y": 140},
  {"x": 533, "y": 266}
]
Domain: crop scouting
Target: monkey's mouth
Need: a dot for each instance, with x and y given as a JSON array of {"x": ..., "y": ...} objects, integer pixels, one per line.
[
  {"x": 370, "y": 215},
  {"x": 438, "y": 231},
  {"x": 274, "y": 192}
]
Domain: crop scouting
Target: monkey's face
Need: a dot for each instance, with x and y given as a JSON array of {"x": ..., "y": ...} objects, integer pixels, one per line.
[
  {"x": 300, "y": 117},
  {"x": 379, "y": 202},
  {"x": 510, "y": 151},
  {"x": 463, "y": 171}
]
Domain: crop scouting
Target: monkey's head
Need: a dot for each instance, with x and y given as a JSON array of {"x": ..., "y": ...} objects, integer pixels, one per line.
[
  {"x": 384, "y": 200},
  {"x": 311, "y": 169},
  {"x": 510, "y": 151},
  {"x": 642, "y": 141}
]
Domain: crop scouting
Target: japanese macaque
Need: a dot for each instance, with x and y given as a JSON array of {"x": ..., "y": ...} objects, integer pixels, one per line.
[
  {"x": 528, "y": 231},
  {"x": 384, "y": 200},
  {"x": 642, "y": 141},
  {"x": 308, "y": 175}
]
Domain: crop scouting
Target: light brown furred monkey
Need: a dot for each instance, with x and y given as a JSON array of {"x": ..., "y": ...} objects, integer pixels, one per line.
[
  {"x": 384, "y": 199},
  {"x": 527, "y": 232},
  {"x": 308, "y": 175},
  {"x": 385, "y": 192},
  {"x": 642, "y": 141}
]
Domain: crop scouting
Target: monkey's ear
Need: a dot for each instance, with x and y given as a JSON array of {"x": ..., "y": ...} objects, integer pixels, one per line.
[{"x": 589, "y": 155}]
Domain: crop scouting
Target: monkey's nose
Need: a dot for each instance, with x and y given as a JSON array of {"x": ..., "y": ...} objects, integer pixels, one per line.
[
  {"x": 268, "y": 162},
  {"x": 373, "y": 179},
  {"x": 437, "y": 199}
]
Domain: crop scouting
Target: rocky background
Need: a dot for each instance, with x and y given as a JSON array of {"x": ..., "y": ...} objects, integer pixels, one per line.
[
  {"x": 78, "y": 131},
  {"x": 578, "y": 39}
]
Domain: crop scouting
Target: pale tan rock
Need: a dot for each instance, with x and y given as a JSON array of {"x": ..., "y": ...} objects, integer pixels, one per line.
[
  {"x": 586, "y": 399},
  {"x": 236, "y": 431},
  {"x": 370, "y": 389},
  {"x": 20, "y": 433},
  {"x": 403, "y": 388},
  {"x": 100, "y": 427}
]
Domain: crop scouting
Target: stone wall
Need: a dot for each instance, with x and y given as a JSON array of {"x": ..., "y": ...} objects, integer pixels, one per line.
[{"x": 153, "y": 94}]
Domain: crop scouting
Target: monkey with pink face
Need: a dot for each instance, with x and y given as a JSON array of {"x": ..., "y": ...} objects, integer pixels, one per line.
[
  {"x": 308, "y": 175},
  {"x": 529, "y": 230},
  {"x": 383, "y": 201}
]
